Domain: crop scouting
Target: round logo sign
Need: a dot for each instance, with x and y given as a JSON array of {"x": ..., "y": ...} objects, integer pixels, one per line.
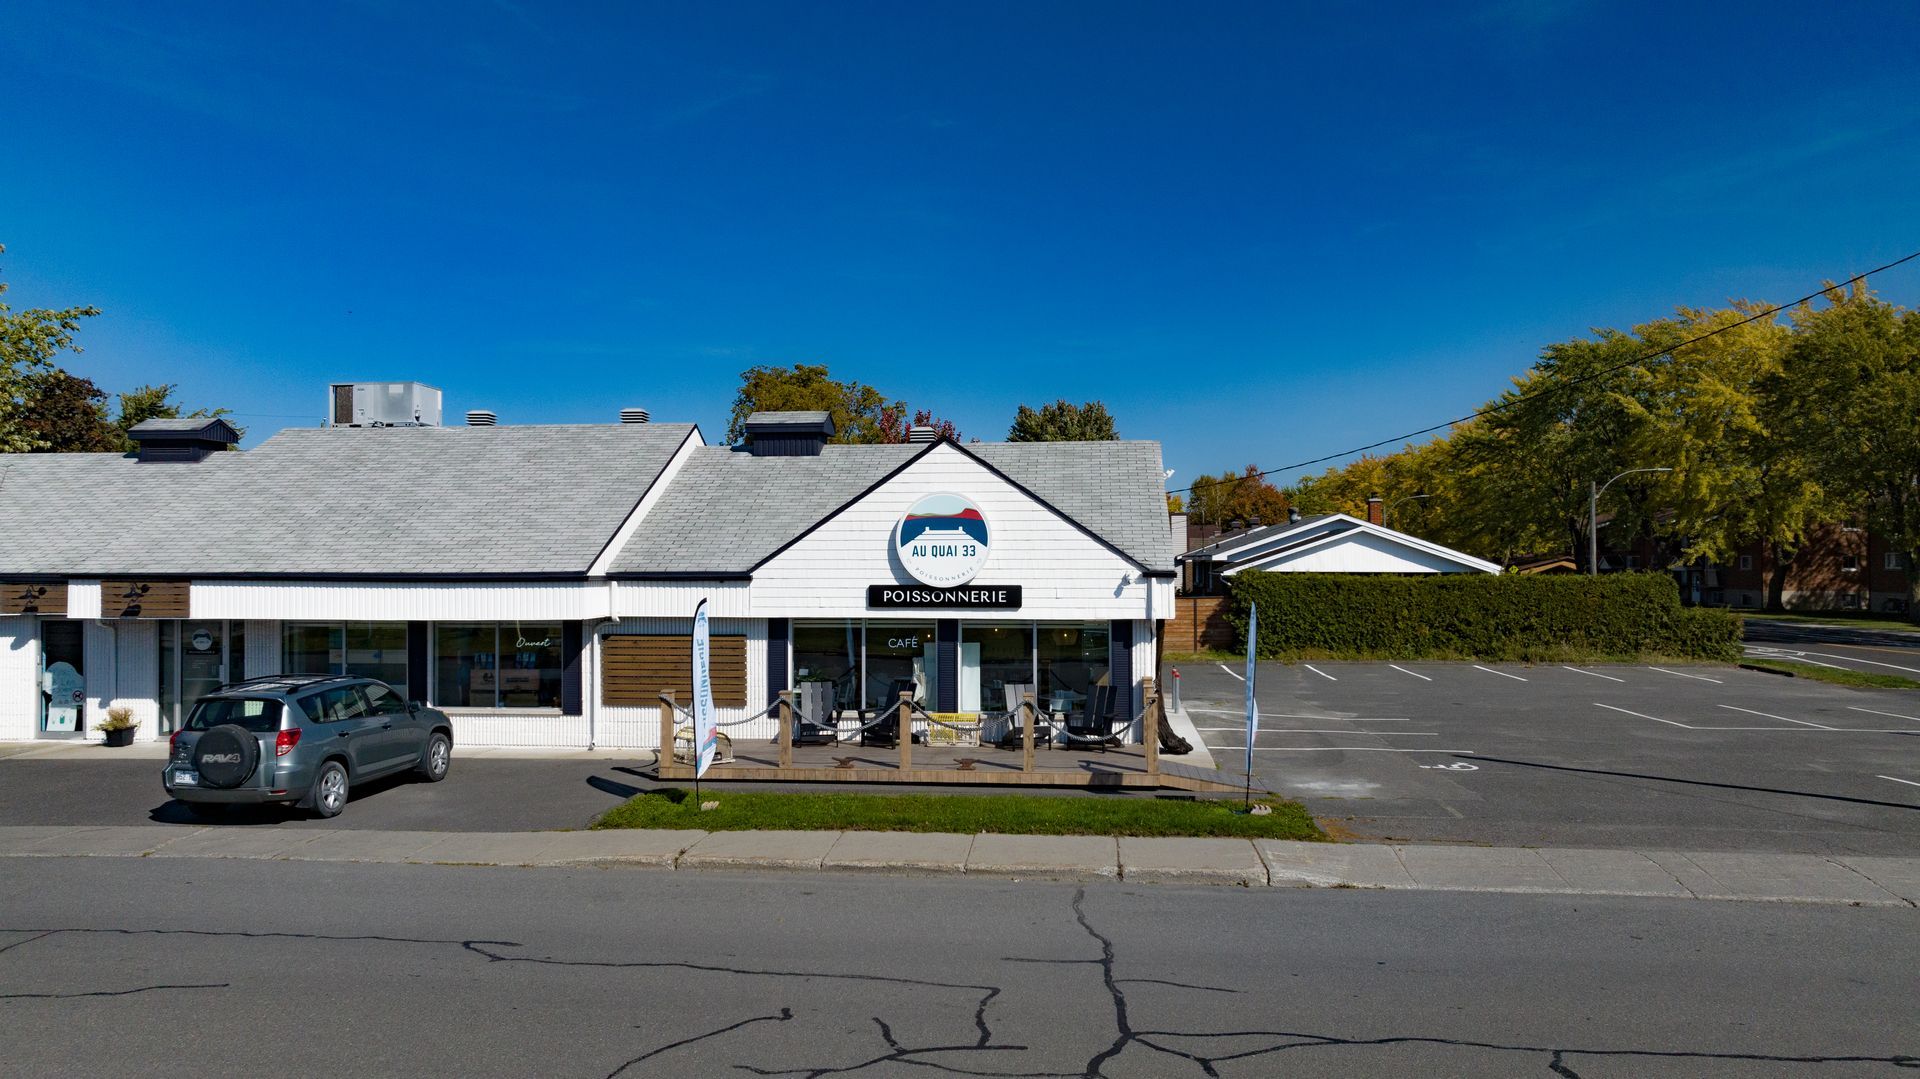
[
  {"x": 942, "y": 540},
  {"x": 201, "y": 640}
]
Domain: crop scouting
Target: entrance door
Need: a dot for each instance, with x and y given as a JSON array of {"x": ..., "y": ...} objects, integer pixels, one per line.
[
  {"x": 196, "y": 658},
  {"x": 63, "y": 666}
]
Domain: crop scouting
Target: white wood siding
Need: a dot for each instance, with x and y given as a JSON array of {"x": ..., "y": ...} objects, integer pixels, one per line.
[
  {"x": 123, "y": 667},
  {"x": 639, "y": 728},
  {"x": 263, "y": 649},
  {"x": 1142, "y": 669},
  {"x": 490, "y": 728},
  {"x": 324, "y": 601},
  {"x": 677, "y": 599},
  {"x": 83, "y": 599},
  {"x": 19, "y": 674},
  {"x": 1065, "y": 573}
]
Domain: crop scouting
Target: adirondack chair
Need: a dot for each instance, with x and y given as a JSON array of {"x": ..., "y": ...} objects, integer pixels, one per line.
[
  {"x": 1094, "y": 726},
  {"x": 1016, "y": 717},
  {"x": 813, "y": 725},
  {"x": 887, "y": 731}
]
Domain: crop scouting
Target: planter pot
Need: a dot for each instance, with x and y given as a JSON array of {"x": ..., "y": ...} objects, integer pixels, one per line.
[{"x": 123, "y": 737}]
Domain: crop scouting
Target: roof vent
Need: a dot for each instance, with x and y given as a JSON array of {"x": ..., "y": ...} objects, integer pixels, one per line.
[
  {"x": 482, "y": 417},
  {"x": 635, "y": 415},
  {"x": 920, "y": 432},
  {"x": 788, "y": 434},
  {"x": 188, "y": 439}
]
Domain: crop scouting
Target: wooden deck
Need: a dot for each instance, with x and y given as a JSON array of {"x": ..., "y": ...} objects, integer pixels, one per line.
[{"x": 1118, "y": 767}]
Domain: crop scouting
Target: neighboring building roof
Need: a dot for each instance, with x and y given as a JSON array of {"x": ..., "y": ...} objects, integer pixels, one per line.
[
  {"x": 393, "y": 501},
  {"x": 728, "y": 511},
  {"x": 184, "y": 425},
  {"x": 1274, "y": 546},
  {"x": 799, "y": 419}
]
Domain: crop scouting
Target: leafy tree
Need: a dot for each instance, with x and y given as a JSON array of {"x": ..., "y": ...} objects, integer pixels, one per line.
[
  {"x": 29, "y": 341},
  {"x": 857, "y": 408},
  {"x": 1175, "y": 504},
  {"x": 895, "y": 427},
  {"x": 1232, "y": 496},
  {"x": 68, "y": 414},
  {"x": 1063, "y": 421},
  {"x": 1854, "y": 366}
]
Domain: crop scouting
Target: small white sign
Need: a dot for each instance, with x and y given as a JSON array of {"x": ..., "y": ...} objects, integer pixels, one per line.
[{"x": 942, "y": 540}]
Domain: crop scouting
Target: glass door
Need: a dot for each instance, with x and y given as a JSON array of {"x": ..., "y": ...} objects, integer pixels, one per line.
[
  {"x": 195, "y": 659},
  {"x": 63, "y": 682}
]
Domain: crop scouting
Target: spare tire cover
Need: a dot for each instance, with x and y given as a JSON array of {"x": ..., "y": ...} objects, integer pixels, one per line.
[{"x": 226, "y": 755}]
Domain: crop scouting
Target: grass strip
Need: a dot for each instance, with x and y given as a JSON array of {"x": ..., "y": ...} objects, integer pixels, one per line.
[
  {"x": 1009, "y": 814},
  {"x": 1835, "y": 618},
  {"x": 1833, "y": 675}
]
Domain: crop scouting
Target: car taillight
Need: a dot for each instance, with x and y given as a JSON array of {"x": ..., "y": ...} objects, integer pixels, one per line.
[
  {"x": 173, "y": 743},
  {"x": 284, "y": 742}
]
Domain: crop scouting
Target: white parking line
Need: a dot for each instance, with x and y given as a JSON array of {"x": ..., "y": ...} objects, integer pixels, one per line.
[
  {"x": 1796, "y": 657},
  {"x": 1908, "y": 782},
  {"x": 1783, "y": 719},
  {"x": 1682, "y": 674},
  {"x": 1502, "y": 674},
  {"x": 1298, "y": 730},
  {"x": 1857, "y": 659},
  {"x": 1596, "y": 674},
  {"x": 1349, "y": 749},
  {"x": 1284, "y": 715},
  {"x": 1231, "y": 671},
  {"x": 1319, "y": 672},
  {"x": 1894, "y": 715},
  {"x": 1641, "y": 715},
  {"x": 1416, "y": 674}
]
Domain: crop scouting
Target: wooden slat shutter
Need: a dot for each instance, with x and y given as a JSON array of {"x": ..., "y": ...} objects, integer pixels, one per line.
[{"x": 634, "y": 669}]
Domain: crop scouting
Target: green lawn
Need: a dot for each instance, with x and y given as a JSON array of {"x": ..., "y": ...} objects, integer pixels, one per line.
[
  {"x": 1834, "y": 675},
  {"x": 1012, "y": 814},
  {"x": 1834, "y": 618}
]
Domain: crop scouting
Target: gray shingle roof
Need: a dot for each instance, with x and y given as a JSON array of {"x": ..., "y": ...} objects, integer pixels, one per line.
[
  {"x": 520, "y": 500},
  {"x": 185, "y": 425},
  {"x": 727, "y": 510}
]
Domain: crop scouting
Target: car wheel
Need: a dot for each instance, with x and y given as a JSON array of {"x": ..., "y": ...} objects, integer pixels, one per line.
[
  {"x": 436, "y": 758},
  {"x": 329, "y": 790}
]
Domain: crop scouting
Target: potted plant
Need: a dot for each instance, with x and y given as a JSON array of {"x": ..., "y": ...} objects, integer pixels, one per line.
[{"x": 118, "y": 726}]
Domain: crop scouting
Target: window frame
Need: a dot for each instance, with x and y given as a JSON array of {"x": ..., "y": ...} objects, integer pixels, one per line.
[{"x": 434, "y": 655}]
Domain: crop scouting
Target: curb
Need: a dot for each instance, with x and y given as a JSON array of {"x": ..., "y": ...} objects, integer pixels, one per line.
[{"x": 1861, "y": 881}]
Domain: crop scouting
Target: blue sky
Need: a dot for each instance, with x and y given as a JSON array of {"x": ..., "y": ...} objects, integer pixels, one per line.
[{"x": 1260, "y": 233}]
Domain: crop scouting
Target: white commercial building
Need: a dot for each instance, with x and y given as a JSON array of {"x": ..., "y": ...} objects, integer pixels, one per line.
[{"x": 537, "y": 583}]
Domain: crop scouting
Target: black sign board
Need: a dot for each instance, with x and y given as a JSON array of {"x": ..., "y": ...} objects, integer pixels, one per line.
[{"x": 976, "y": 597}]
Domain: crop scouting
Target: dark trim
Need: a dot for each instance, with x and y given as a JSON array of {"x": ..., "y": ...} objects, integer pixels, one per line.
[
  {"x": 946, "y": 662},
  {"x": 844, "y": 506},
  {"x": 571, "y": 696},
  {"x": 778, "y": 634},
  {"x": 1120, "y": 666},
  {"x": 983, "y": 463},
  {"x": 1161, "y": 574},
  {"x": 419, "y": 662},
  {"x": 692, "y": 432},
  {"x": 682, "y": 575}
]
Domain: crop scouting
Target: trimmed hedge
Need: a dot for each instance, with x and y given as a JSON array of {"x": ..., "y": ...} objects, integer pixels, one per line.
[{"x": 1478, "y": 616}]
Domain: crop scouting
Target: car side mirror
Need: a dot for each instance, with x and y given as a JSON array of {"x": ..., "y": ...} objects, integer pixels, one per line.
[{"x": 413, "y": 706}]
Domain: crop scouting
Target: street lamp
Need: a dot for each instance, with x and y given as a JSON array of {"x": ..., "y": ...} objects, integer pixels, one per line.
[
  {"x": 1593, "y": 517},
  {"x": 1386, "y": 514}
]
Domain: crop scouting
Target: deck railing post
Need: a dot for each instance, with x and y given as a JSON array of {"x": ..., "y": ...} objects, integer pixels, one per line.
[
  {"x": 666, "y": 732},
  {"x": 1150, "y": 724},
  {"x": 785, "y": 711},
  {"x": 1027, "y": 705},
  {"x": 906, "y": 730}
]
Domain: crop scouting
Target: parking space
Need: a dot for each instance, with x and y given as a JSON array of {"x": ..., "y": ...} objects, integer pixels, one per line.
[{"x": 1578, "y": 755}]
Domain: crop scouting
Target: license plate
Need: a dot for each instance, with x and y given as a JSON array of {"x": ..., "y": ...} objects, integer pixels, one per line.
[{"x": 185, "y": 779}]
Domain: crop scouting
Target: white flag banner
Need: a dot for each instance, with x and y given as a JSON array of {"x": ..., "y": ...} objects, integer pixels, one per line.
[
  {"x": 1253, "y": 706},
  {"x": 705, "y": 733}
]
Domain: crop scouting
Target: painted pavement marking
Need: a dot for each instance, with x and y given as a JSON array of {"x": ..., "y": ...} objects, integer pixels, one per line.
[
  {"x": 1682, "y": 674},
  {"x": 1877, "y": 712},
  {"x": 1783, "y": 719},
  {"x": 1416, "y": 674},
  {"x": 1502, "y": 674},
  {"x": 1319, "y": 672},
  {"x": 1596, "y": 674}
]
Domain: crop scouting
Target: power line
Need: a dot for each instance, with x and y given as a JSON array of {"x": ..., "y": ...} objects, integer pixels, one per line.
[{"x": 1574, "y": 381}]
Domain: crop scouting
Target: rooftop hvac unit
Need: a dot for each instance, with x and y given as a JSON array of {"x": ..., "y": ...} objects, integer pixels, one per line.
[{"x": 382, "y": 404}]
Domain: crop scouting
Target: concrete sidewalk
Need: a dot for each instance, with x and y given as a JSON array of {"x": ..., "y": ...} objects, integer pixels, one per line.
[{"x": 1799, "y": 878}]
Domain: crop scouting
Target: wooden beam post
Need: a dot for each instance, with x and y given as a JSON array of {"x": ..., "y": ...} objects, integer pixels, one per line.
[
  {"x": 1028, "y": 704},
  {"x": 666, "y": 733},
  {"x": 785, "y": 711},
  {"x": 1150, "y": 723},
  {"x": 905, "y": 718}
]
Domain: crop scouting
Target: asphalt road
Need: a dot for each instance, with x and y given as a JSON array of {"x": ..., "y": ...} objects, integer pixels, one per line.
[
  {"x": 1690, "y": 758},
  {"x": 124, "y": 967},
  {"x": 1869, "y": 650}
]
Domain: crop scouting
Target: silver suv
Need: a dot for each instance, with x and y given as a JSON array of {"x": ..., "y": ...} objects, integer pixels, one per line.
[{"x": 303, "y": 740}]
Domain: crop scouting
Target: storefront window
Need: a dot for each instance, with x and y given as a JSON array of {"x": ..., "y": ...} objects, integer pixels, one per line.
[
  {"x": 992, "y": 658},
  {"x": 829, "y": 652},
  {"x": 899, "y": 655},
  {"x": 497, "y": 665},
  {"x": 1073, "y": 659},
  {"x": 362, "y": 649}
]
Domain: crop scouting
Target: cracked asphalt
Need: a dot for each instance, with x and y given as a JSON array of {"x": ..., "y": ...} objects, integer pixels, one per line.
[{"x": 112, "y": 967}]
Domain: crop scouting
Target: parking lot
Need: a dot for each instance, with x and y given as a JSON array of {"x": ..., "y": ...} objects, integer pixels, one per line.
[{"x": 1697, "y": 758}]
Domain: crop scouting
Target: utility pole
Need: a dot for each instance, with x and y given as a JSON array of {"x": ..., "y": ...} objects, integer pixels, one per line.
[{"x": 1593, "y": 517}]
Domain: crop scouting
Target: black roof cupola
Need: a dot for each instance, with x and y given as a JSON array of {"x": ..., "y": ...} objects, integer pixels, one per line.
[
  {"x": 190, "y": 439},
  {"x": 788, "y": 434}
]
